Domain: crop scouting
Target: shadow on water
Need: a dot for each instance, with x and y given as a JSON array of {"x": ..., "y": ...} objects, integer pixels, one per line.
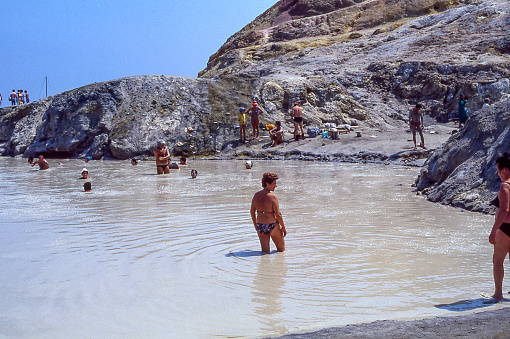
[
  {"x": 248, "y": 253},
  {"x": 470, "y": 304}
]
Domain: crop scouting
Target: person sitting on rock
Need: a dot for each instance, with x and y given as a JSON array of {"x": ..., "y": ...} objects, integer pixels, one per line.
[
  {"x": 276, "y": 134},
  {"x": 416, "y": 124}
]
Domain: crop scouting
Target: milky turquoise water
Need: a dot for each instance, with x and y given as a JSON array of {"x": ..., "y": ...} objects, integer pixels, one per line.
[{"x": 168, "y": 256}]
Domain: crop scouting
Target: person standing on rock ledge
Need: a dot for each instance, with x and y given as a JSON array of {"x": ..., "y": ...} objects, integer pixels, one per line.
[
  {"x": 297, "y": 116},
  {"x": 254, "y": 111},
  {"x": 162, "y": 158},
  {"x": 500, "y": 234},
  {"x": 463, "y": 113},
  {"x": 416, "y": 124},
  {"x": 242, "y": 124}
]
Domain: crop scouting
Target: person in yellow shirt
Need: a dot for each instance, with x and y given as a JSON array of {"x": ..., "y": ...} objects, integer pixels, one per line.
[{"x": 242, "y": 124}]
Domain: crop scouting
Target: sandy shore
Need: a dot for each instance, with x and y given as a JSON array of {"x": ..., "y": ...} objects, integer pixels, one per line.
[
  {"x": 386, "y": 146},
  {"x": 488, "y": 324}
]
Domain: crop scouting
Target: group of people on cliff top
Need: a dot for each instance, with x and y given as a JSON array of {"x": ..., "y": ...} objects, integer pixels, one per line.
[
  {"x": 17, "y": 98},
  {"x": 276, "y": 132}
]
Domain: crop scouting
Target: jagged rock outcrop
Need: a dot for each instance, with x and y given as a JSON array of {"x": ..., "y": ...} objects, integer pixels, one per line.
[
  {"x": 124, "y": 118},
  {"x": 357, "y": 62},
  {"x": 378, "y": 57},
  {"x": 462, "y": 172}
]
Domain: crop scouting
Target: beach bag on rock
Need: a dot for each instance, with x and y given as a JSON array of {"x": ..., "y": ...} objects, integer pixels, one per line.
[{"x": 312, "y": 132}]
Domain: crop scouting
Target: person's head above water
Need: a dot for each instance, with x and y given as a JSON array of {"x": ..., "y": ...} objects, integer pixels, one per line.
[
  {"x": 194, "y": 173},
  {"x": 87, "y": 187},
  {"x": 268, "y": 178},
  {"x": 249, "y": 164}
]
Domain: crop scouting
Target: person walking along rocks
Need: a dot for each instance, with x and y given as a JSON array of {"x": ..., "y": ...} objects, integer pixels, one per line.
[{"x": 416, "y": 124}]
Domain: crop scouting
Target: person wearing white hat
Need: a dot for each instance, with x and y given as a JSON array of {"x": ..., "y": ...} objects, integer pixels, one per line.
[{"x": 85, "y": 174}]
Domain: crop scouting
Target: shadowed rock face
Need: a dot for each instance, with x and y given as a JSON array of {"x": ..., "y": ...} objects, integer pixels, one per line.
[
  {"x": 124, "y": 118},
  {"x": 462, "y": 172}
]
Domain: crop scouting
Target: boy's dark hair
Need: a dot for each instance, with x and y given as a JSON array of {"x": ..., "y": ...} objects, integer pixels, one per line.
[
  {"x": 503, "y": 161},
  {"x": 268, "y": 178},
  {"x": 87, "y": 186}
]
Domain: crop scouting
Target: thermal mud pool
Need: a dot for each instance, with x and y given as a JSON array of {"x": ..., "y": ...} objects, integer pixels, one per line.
[{"x": 169, "y": 256}]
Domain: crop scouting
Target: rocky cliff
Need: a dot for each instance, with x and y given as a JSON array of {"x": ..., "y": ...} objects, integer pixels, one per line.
[
  {"x": 125, "y": 118},
  {"x": 347, "y": 61},
  {"x": 462, "y": 172},
  {"x": 364, "y": 62}
]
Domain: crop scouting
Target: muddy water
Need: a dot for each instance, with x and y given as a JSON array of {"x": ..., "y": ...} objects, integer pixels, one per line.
[{"x": 167, "y": 256}]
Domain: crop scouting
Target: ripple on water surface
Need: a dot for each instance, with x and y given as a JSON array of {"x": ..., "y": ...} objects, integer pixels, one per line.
[{"x": 183, "y": 253}]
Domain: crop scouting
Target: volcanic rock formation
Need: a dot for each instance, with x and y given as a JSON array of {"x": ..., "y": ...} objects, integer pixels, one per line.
[{"x": 357, "y": 62}]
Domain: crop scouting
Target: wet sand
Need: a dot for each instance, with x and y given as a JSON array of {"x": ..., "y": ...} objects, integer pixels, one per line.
[
  {"x": 489, "y": 324},
  {"x": 391, "y": 145}
]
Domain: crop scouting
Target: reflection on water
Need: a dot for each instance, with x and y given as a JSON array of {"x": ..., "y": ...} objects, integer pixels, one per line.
[{"x": 169, "y": 256}]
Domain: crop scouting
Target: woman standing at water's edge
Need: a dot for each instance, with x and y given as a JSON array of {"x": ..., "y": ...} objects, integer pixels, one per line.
[
  {"x": 266, "y": 216},
  {"x": 500, "y": 234}
]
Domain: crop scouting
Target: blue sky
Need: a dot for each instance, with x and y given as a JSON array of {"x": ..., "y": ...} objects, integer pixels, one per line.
[{"x": 75, "y": 43}]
